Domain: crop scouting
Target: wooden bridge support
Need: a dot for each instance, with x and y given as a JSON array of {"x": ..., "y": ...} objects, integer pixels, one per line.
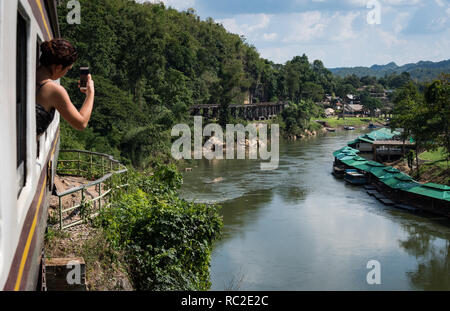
[
  {"x": 205, "y": 113},
  {"x": 215, "y": 112}
]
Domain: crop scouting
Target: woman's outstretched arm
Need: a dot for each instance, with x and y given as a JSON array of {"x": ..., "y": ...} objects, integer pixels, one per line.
[{"x": 77, "y": 119}]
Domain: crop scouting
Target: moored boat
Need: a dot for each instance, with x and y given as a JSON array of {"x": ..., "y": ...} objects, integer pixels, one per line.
[
  {"x": 338, "y": 171},
  {"x": 355, "y": 177}
]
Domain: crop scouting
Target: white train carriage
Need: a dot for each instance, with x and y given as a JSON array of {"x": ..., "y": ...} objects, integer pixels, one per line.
[{"x": 27, "y": 163}]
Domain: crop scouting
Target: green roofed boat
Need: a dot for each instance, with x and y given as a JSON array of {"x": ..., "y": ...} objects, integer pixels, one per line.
[
  {"x": 385, "y": 172},
  {"x": 400, "y": 181},
  {"x": 359, "y": 171},
  {"x": 440, "y": 192},
  {"x": 381, "y": 134}
]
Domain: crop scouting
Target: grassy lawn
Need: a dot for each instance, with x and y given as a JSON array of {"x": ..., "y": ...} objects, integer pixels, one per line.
[
  {"x": 436, "y": 157},
  {"x": 436, "y": 167},
  {"x": 334, "y": 122}
]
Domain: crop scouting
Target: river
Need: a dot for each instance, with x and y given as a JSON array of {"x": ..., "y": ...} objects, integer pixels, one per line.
[{"x": 299, "y": 228}]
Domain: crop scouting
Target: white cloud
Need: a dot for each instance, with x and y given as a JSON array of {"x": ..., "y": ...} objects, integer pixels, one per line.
[
  {"x": 400, "y": 22},
  {"x": 304, "y": 27},
  {"x": 336, "y": 31},
  {"x": 278, "y": 54},
  {"x": 264, "y": 21},
  {"x": 231, "y": 25},
  {"x": 342, "y": 26},
  {"x": 270, "y": 36},
  {"x": 440, "y": 3},
  {"x": 358, "y": 3},
  {"x": 246, "y": 24},
  {"x": 315, "y": 25},
  {"x": 388, "y": 39},
  {"x": 401, "y": 2}
]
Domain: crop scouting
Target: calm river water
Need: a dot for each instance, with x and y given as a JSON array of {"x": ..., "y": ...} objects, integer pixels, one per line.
[{"x": 299, "y": 228}]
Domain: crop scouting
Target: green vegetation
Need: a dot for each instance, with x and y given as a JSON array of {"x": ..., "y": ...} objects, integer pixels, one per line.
[
  {"x": 151, "y": 64},
  {"x": 421, "y": 71},
  {"x": 426, "y": 118},
  {"x": 335, "y": 122},
  {"x": 167, "y": 241},
  {"x": 436, "y": 167},
  {"x": 369, "y": 102},
  {"x": 296, "y": 117},
  {"x": 437, "y": 155}
]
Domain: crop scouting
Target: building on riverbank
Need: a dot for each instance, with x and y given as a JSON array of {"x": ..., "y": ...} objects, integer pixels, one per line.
[
  {"x": 382, "y": 145},
  {"x": 387, "y": 150}
]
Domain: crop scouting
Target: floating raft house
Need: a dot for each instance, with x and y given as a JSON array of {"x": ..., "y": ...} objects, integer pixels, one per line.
[
  {"x": 434, "y": 195},
  {"x": 381, "y": 134}
]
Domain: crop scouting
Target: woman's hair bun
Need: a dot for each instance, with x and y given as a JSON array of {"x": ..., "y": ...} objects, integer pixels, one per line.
[
  {"x": 58, "y": 52},
  {"x": 47, "y": 48}
]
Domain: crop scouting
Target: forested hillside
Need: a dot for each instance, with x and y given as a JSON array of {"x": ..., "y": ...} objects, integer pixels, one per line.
[
  {"x": 151, "y": 63},
  {"x": 421, "y": 71}
]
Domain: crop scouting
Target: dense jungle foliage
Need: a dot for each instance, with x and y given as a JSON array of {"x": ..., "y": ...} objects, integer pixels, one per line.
[
  {"x": 167, "y": 241},
  {"x": 151, "y": 63}
]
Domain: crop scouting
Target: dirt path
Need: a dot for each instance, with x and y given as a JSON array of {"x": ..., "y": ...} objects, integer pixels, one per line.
[{"x": 104, "y": 268}]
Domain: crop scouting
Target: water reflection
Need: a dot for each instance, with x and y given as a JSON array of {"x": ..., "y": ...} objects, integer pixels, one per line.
[
  {"x": 242, "y": 212},
  {"x": 299, "y": 228},
  {"x": 432, "y": 251},
  {"x": 292, "y": 194}
]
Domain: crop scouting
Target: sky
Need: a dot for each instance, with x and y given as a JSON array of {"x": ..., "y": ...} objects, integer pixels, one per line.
[{"x": 341, "y": 33}]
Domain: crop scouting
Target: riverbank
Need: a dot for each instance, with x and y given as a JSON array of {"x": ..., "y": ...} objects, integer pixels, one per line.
[
  {"x": 359, "y": 123},
  {"x": 433, "y": 168},
  {"x": 144, "y": 239},
  {"x": 308, "y": 133}
]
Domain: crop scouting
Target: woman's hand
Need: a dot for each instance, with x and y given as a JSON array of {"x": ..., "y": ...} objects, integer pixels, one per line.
[{"x": 90, "y": 86}]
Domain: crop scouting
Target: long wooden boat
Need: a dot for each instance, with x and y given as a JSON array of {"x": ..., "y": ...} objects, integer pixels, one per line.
[
  {"x": 354, "y": 177},
  {"x": 338, "y": 171}
]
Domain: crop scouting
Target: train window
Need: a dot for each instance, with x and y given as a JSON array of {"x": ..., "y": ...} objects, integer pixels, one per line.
[
  {"x": 38, "y": 56},
  {"x": 38, "y": 52},
  {"x": 21, "y": 100}
]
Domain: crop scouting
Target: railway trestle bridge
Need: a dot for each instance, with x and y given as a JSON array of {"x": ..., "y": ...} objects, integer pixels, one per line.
[{"x": 249, "y": 112}]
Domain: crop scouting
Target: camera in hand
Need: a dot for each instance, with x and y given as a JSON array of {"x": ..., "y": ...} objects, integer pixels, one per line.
[{"x": 84, "y": 72}]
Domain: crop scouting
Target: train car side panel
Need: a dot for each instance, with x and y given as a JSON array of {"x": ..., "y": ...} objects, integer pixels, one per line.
[{"x": 26, "y": 180}]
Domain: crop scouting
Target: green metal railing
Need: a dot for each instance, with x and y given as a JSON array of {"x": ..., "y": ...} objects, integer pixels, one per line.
[{"x": 106, "y": 173}]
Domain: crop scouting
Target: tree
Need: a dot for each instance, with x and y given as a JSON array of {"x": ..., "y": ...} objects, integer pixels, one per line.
[
  {"x": 353, "y": 80},
  {"x": 344, "y": 89},
  {"x": 312, "y": 91},
  {"x": 412, "y": 114},
  {"x": 368, "y": 80},
  {"x": 232, "y": 79},
  {"x": 369, "y": 103},
  {"x": 437, "y": 98}
]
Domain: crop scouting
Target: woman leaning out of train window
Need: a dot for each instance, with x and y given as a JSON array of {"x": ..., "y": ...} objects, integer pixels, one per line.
[{"x": 58, "y": 57}]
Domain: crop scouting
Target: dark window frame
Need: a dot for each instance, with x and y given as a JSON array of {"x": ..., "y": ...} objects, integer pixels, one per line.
[
  {"x": 22, "y": 51},
  {"x": 38, "y": 56}
]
